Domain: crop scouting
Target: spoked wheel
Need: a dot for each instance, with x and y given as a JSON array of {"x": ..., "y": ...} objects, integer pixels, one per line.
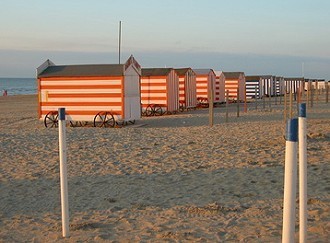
[
  {"x": 158, "y": 111},
  {"x": 104, "y": 119},
  {"x": 51, "y": 119},
  {"x": 181, "y": 106},
  {"x": 149, "y": 110}
]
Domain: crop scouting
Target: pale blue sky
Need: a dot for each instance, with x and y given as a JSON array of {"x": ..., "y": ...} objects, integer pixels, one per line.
[{"x": 254, "y": 36}]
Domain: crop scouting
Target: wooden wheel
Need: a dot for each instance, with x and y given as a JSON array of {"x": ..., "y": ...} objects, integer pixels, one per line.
[
  {"x": 181, "y": 106},
  {"x": 104, "y": 119},
  {"x": 149, "y": 110},
  {"x": 51, "y": 119},
  {"x": 158, "y": 111}
]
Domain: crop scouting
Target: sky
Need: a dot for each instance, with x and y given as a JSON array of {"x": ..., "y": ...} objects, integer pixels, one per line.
[{"x": 289, "y": 38}]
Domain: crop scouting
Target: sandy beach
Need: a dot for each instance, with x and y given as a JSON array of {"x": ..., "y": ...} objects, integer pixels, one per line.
[{"x": 164, "y": 179}]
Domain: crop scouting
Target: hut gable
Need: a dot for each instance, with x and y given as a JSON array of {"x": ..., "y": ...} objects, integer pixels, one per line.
[{"x": 131, "y": 62}]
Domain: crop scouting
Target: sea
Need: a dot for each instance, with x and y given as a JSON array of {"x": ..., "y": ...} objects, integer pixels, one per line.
[{"x": 18, "y": 86}]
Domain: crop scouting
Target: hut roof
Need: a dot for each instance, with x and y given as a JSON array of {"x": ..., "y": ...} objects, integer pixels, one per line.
[
  {"x": 182, "y": 71},
  {"x": 202, "y": 71},
  {"x": 155, "y": 71},
  {"x": 250, "y": 78},
  {"x": 296, "y": 79},
  {"x": 94, "y": 70},
  {"x": 233, "y": 75}
]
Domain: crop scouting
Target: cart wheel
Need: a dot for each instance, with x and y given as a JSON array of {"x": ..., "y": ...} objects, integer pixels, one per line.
[
  {"x": 104, "y": 119},
  {"x": 51, "y": 119},
  {"x": 181, "y": 106},
  {"x": 158, "y": 111},
  {"x": 149, "y": 111}
]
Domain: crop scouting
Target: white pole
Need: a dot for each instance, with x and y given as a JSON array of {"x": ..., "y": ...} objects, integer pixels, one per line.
[
  {"x": 63, "y": 172},
  {"x": 302, "y": 127},
  {"x": 290, "y": 181}
]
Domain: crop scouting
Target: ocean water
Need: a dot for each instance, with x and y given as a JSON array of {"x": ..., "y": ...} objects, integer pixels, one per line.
[{"x": 18, "y": 86}]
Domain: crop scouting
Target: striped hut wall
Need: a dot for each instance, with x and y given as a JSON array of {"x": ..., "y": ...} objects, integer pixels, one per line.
[
  {"x": 182, "y": 95},
  {"x": 172, "y": 92},
  {"x": 202, "y": 86},
  {"x": 292, "y": 84},
  {"x": 252, "y": 87},
  {"x": 231, "y": 85},
  {"x": 154, "y": 91},
  {"x": 82, "y": 97},
  {"x": 217, "y": 91},
  {"x": 267, "y": 83}
]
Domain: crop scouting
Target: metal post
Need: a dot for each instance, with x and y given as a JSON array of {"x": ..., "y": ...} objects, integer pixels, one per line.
[
  {"x": 326, "y": 92},
  {"x": 269, "y": 99},
  {"x": 119, "y": 40},
  {"x": 290, "y": 181},
  {"x": 237, "y": 100},
  {"x": 302, "y": 127},
  {"x": 211, "y": 110},
  {"x": 245, "y": 102},
  {"x": 63, "y": 172},
  {"x": 285, "y": 107},
  {"x": 256, "y": 98},
  {"x": 227, "y": 104}
]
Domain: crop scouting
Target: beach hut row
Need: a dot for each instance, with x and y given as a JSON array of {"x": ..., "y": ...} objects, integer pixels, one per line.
[
  {"x": 268, "y": 85},
  {"x": 127, "y": 90}
]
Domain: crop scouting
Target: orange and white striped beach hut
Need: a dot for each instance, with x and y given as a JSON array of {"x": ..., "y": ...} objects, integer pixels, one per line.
[
  {"x": 219, "y": 87},
  {"x": 160, "y": 86},
  {"x": 187, "y": 87},
  {"x": 234, "y": 81},
  {"x": 85, "y": 90}
]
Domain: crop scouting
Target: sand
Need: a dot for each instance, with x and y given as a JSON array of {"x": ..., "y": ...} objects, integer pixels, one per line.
[{"x": 165, "y": 179}]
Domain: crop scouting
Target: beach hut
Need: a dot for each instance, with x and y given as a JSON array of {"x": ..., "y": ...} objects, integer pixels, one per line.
[
  {"x": 220, "y": 94},
  {"x": 267, "y": 85},
  {"x": 280, "y": 86},
  {"x": 187, "y": 87},
  {"x": 292, "y": 84},
  {"x": 207, "y": 78},
  {"x": 160, "y": 89},
  {"x": 88, "y": 91},
  {"x": 252, "y": 87},
  {"x": 234, "y": 81}
]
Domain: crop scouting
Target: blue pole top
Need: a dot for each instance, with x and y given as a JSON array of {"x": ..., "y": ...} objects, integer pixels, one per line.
[
  {"x": 292, "y": 130},
  {"x": 302, "y": 110},
  {"x": 61, "y": 114}
]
